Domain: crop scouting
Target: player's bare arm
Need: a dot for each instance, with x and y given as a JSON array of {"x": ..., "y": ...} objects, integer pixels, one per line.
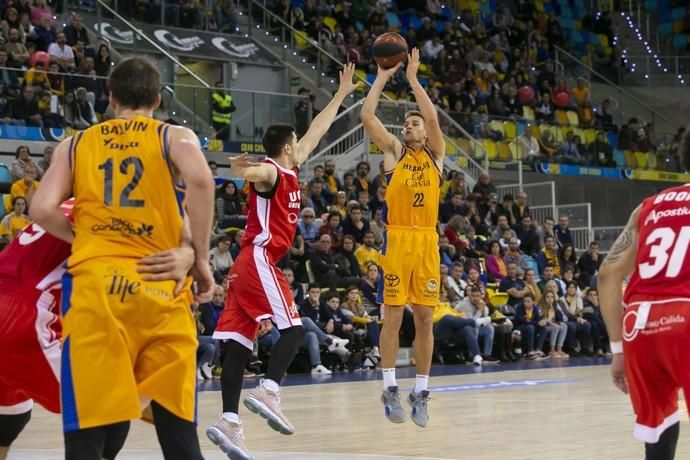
[
  {"x": 320, "y": 125},
  {"x": 619, "y": 263},
  {"x": 433, "y": 129},
  {"x": 388, "y": 143},
  {"x": 262, "y": 175},
  {"x": 191, "y": 165},
  {"x": 56, "y": 187},
  {"x": 173, "y": 264}
]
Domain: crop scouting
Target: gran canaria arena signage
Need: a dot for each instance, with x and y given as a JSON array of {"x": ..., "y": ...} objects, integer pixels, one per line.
[{"x": 187, "y": 42}]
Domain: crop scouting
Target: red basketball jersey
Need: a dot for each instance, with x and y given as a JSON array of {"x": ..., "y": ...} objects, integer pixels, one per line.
[
  {"x": 662, "y": 263},
  {"x": 35, "y": 258},
  {"x": 272, "y": 219}
]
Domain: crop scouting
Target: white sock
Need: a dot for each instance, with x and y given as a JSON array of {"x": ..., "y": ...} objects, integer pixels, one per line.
[
  {"x": 231, "y": 417},
  {"x": 421, "y": 382},
  {"x": 270, "y": 385},
  {"x": 389, "y": 378}
]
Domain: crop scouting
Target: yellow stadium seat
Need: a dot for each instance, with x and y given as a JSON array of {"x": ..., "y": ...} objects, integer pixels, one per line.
[
  {"x": 510, "y": 129},
  {"x": 630, "y": 159},
  {"x": 573, "y": 119},
  {"x": 590, "y": 135},
  {"x": 528, "y": 113},
  {"x": 504, "y": 153},
  {"x": 7, "y": 202},
  {"x": 515, "y": 151},
  {"x": 462, "y": 161},
  {"x": 301, "y": 40},
  {"x": 678, "y": 26},
  {"x": 450, "y": 148},
  {"x": 581, "y": 134},
  {"x": 465, "y": 145},
  {"x": 539, "y": 5},
  {"x": 491, "y": 150},
  {"x": 641, "y": 160},
  {"x": 477, "y": 149},
  {"x": 603, "y": 40},
  {"x": 652, "y": 162},
  {"x": 498, "y": 298},
  {"x": 495, "y": 125},
  {"x": 541, "y": 129},
  {"x": 330, "y": 22},
  {"x": 562, "y": 117}
]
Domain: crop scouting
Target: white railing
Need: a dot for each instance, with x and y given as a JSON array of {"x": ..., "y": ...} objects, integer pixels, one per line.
[
  {"x": 539, "y": 194},
  {"x": 581, "y": 238},
  {"x": 606, "y": 236}
]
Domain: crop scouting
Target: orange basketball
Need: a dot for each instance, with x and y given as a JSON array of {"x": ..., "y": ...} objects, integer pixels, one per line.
[{"x": 389, "y": 49}]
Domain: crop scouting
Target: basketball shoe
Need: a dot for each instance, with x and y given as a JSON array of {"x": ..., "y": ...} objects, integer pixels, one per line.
[
  {"x": 391, "y": 402},
  {"x": 229, "y": 437},
  {"x": 266, "y": 403},
  {"x": 420, "y": 412}
]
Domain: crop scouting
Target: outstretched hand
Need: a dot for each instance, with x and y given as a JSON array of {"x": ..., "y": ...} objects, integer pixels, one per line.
[
  {"x": 347, "y": 86},
  {"x": 240, "y": 163},
  {"x": 413, "y": 62},
  {"x": 386, "y": 74}
]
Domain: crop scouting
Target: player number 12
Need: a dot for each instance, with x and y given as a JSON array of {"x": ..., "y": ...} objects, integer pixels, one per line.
[{"x": 125, "y": 200}]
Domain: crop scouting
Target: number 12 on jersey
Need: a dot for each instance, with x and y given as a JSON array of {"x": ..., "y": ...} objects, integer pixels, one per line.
[
  {"x": 125, "y": 200},
  {"x": 661, "y": 240}
]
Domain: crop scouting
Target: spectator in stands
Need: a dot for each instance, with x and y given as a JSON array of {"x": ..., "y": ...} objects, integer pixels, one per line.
[
  {"x": 513, "y": 285},
  {"x": 47, "y": 110},
  {"x": 56, "y": 80},
  {"x": 355, "y": 224},
  {"x": 346, "y": 258},
  {"x": 44, "y": 162},
  {"x": 363, "y": 200},
  {"x": 569, "y": 152},
  {"x": 506, "y": 209},
  {"x": 337, "y": 322},
  {"x": 589, "y": 264},
  {"x": 27, "y": 31},
  {"x": 490, "y": 211},
  {"x": 25, "y": 108},
  {"x": 451, "y": 207},
  {"x": 600, "y": 152},
  {"x": 549, "y": 281},
  {"x": 210, "y": 311},
  {"x": 11, "y": 20},
  {"x": 349, "y": 186},
  {"x": 529, "y": 147},
  {"x": 549, "y": 256},
  {"x": 475, "y": 308},
  {"x": 333, "y": 229},
  {"x": 318, "y": 198},
  {"x": 45, "y": 33},
  {"x": 229, "y": 206},
  {"x": 328, "y": 273},
  {"x": 362, "y": 182},
  {"x": 15, "y": 221},
  {"x": 573, "y": 306},
  {"x": 592, "y": 313},
  {"x": 527, "y": 321},
  {"x": 367, "y": 252},
  {"x": 531, "y": 284},
  {"x": 22, "y": 158},
  {"x": 626, "y": 135},
  {"x": 501, "y": 227},
  {"x": 369, "y": 285},
  {"x": 5, "y": 106},
  {"x": 604, "y": 120},
  {"x": 554, "y": 324},
  {"x": 566, "y": 257},
  {"x": 569, "y": 273},
  {"x": 331, "y": 182},
  {"x": 86, "y": 110},
  {"x": 377, "y": 225},
  {"x": 451, "y": 325},
  {"x": 39, "y": 10},
  {"x": 26, "y": 186},
  {"x": 352, "y": 303},
  {"x": 513, "y": 254},
  {"x": 447, "y": 252},
  {"x": 103, "y": 62},
  {"x": 339, "y": 204},
  {"x": 546, "y": 229},
  {"x": 308, "y": 228},
  {"x": 220, "y": 257},
  {"x": 544, "y": 109},
  {"x": 73, "y": 116},
  {"x": 75, "y": 31},
  {"x": 8, "y": 76},
  {"x": 378, "y": 200},
  {"x": 520, "y": 208},
  {"x": 18, "y": 55},
  {"x": 562, "y": 232}
]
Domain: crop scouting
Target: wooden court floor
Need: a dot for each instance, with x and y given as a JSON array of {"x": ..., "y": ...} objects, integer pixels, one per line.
[{"x": 549, "y": 413}]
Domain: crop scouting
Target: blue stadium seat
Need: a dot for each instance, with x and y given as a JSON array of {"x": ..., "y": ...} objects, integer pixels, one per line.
[
  {"x": 393, "y": 21},
  {"x": 440, "y": 25},
  {"x": 359, "y": 26},
  {"x": 521, "y": 128},
  {"x": 404, "y": 21},
  {"x": 680, "y": 41},
  {"x": 415, "y": 22},
  {"x": 619, "y": 157},
  {"x": 612, "y": 137},
  {"x": 678, "y": 13},
  {"x": 665, "y": 29},
  {"x": 371, "y": 77},
  {"x": 664, "y": 15},
  {"x": 650, "y": 4},
  {"x": 4, "y": 173}
]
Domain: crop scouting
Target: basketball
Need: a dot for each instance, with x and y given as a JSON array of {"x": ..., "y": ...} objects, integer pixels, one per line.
[
  {"x": 389, "y": 49},
  {"x": 526, "y": 95}
]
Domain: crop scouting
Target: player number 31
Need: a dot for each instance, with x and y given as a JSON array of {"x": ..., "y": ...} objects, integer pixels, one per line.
[{"x": 661, "y": 240}]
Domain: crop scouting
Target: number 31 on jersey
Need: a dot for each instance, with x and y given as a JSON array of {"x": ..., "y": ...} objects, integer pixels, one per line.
[{"x": 661, "y": 241}]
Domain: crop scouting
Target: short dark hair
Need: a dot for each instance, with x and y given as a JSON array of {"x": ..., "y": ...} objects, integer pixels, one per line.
[
  {"x": 330, "y": 295},
  {"x": 355, "y": 206},
  {"x": 528, "y": 296},
  {"x": 135, "y": 82},
  {"x": 318, "y": 166},
  {"x": 475, "y": 289},
  {"x": 368, "y": 232},
  {"x": 223, "y": 239},
  {"x": 19, "y": 149},
  {"x": 276, "y": 137},
  {"x": 549, "y": 265},
  {"x": 593, "y": 243},
  {"x": 414, "y": 113},
  {"x": 313, "y": 286}
]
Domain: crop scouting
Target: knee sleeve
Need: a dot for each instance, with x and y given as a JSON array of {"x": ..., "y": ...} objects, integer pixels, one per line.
[
  {"x": 11, "y": 426},
  {"x": 665, "y": 447}
]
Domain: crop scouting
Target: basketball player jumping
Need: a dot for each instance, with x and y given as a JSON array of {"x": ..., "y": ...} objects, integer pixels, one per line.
[
  {"x": 31, "y": 268},
  {"x": 128, "y": 341},
  {"x": 256, "y": 288},
  {"x": 410, "y": 259},
  {"x": 650, "y": 328}
]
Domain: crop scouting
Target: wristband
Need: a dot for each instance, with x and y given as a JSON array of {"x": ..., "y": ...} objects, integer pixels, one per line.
[{"x": 616, "y": 347}]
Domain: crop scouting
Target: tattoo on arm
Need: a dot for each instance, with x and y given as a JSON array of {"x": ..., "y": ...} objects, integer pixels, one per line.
[{"x": 624, "y": 240}]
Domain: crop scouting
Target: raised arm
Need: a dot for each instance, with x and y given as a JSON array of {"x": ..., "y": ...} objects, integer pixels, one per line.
[
  {"x": 433, "y": 130},
  {"x": 619, "y": 263},
  {"x": 320, "y": 125},
  {"x": 389, "y": 144},
  {"x": 56, "y": 187}
]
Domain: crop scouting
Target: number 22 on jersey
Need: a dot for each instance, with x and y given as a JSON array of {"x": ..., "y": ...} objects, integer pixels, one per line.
[{"x": 667, "y": 250}]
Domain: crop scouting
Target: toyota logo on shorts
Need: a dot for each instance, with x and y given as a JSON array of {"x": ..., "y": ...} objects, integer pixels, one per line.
[{"x": 391, "y": 280}]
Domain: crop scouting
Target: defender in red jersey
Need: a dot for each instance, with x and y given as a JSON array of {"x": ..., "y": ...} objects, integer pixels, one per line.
[
  {"x": 257, "y": 290},
  {"x": 650, "y": 328},
  {"x": 31, "y": 269}
]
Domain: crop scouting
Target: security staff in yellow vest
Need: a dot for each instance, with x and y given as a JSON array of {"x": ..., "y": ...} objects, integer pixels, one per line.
[{"x": 221, "y": 112}]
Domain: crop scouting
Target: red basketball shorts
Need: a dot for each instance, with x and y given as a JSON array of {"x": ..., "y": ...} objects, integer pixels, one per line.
[
  {"x": 657, "y": 363},
  {"x": 256, "y": 291},
  {"x": 30, "y": 333}
]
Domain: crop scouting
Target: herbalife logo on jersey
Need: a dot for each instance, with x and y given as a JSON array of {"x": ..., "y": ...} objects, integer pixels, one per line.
[
  {"x": 120, "y": 285},
  {"x": 656, "y": 216}
]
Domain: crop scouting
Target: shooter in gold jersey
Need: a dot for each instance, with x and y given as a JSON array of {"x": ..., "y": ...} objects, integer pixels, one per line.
[
  {"x": 409, "y": 258},
  {"x": 128, "y": 341}
]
